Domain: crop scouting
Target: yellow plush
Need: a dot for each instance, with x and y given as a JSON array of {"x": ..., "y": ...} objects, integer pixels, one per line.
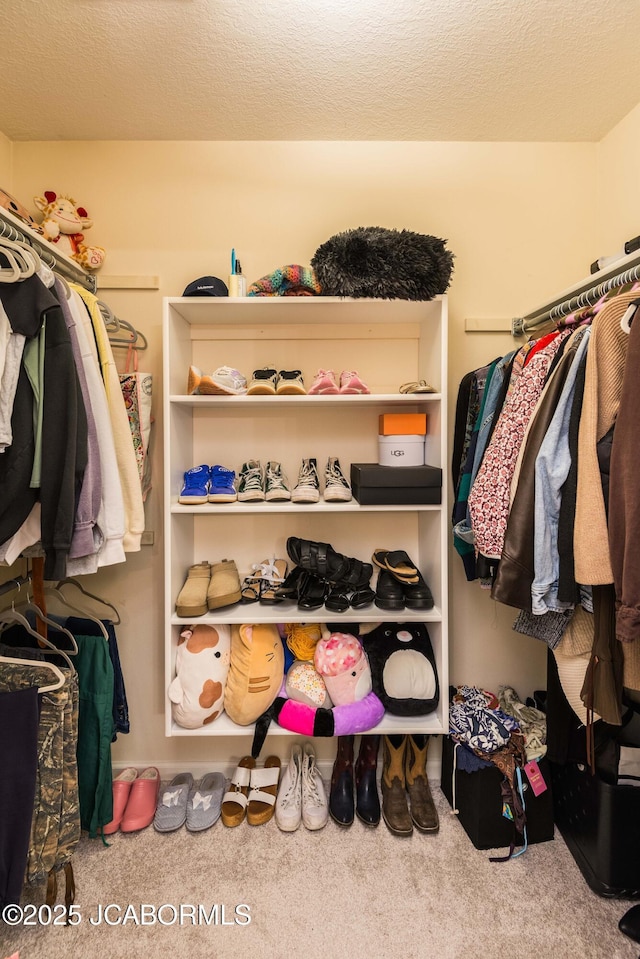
[
  {"x": 63, "y": 223},
  {"x": 256, "y": 671}
]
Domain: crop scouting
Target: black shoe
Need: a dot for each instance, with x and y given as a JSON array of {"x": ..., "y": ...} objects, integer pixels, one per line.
[
  {"x": 389, "y": 592},
  {"x": 341, "y": 798},
  {"x": 418, "y": 595}
]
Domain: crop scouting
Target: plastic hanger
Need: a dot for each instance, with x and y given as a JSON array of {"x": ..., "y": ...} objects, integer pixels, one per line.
[
  {"x": 38, "y": 663},
  {"x": 54, "y": 591},
  {"x": 9, "y": 616},
  {"x": 137, "y": 339},
  {"x": 98, "y": 599},
  {"x": 111, "y": 321}
]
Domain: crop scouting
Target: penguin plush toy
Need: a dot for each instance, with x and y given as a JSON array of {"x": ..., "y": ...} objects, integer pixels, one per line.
[{"x": 403, "y": 668}]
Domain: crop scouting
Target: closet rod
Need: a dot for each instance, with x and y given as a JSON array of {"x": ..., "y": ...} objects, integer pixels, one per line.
[
  {"x": 15, "y": 229},
  {"x": 585, "y": 293},
  {"x": 14, "y": 583}
]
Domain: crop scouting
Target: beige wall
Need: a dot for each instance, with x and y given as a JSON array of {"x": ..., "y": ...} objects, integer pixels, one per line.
[
  {"x": 618, "y": 185},
  {"x": 515, "y": 215},
  {"x": 6, "y": 164}
]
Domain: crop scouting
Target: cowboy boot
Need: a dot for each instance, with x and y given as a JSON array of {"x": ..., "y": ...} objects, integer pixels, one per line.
[
  {"x": 394, "y": 797},
  {"x": 367, "y": 801},
  {"x": 423, "y": 810},
  {"x": 341, "y": 796}
]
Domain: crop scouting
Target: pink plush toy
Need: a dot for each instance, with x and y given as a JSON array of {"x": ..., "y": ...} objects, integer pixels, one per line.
[
  {"x": 342, "y": 663},
  {"x": 63, "y": 223}
]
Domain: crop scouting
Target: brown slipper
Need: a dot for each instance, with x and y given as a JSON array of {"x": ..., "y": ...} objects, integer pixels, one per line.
[
  {"x": 264, "y": 789},
  {"x": 234, "y": 801}
]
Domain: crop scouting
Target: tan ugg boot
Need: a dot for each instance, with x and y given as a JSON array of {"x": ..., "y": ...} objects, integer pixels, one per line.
[
  {"x": 395, "y": 811},
  {"x": 224, "y": 588},
  {"x": 423, "y": 810},
  {"x": 192, "y": 598}
]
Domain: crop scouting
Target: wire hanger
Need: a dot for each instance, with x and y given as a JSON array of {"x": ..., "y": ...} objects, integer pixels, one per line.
[
  {"x": 74, "y": 582},
  {"x": 54, "y": 591},
  {"x": 38, "y": 664}
]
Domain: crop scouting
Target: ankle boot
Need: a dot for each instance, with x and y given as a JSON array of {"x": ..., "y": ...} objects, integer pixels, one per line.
[
  {"x": 394, "y": 797},
  {"x": 341, "y": 801},
  {"x": 367, "y": 801},
  {"x": 423, "y": 810}
]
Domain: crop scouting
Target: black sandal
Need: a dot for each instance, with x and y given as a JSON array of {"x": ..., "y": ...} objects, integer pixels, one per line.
[
  {"x": 338, "y": 599},
  {"x": 312, "y": 593}
]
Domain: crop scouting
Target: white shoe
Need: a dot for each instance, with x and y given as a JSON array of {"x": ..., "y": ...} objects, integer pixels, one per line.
[
  {"x": 289, "y": 801},
  {"x": 337, "y": 488},
  {"x": 307, "y": 489},
  {"x": 315, "y": 809}
]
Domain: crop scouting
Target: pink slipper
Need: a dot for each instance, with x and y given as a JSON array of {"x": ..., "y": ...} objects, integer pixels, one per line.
[
  {"x": 350, "y": 382},
  {"x": 325, "y": 382},
  {"x": 121, "y": 789},
  {"x": 143, "y": 799}
]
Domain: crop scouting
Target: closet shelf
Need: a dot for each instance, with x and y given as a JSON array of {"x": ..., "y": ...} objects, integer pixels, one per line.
[
  {"x": 366, "y": 399},
  {"x": 289, "y": 613},
  {"x": 264, "y": 509},
  {"x": 431, "y": 724}
]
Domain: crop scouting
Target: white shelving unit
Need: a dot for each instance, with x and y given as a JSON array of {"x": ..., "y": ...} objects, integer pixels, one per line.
[{"x": 389, "y": 342}]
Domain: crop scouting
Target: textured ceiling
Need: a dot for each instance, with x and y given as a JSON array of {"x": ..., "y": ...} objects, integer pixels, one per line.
[{"x": 317, "y": 69}]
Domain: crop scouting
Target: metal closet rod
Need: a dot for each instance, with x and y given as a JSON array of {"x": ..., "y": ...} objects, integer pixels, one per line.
[
  {"x": 14, "y": 583},
  {"x": 583, "y": 295},
  {"x": 46, "y": 252}
]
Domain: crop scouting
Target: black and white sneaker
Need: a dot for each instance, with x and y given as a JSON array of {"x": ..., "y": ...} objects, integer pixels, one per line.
[
  {"x": 337, "y": 488},
  {"x": 250, "y": 488},
  {"x": 263, "y": 382},
  {"x": 275, "y": 484},
  {"x": 307, "y": 489},
  {"x": 290, "y": 381}
]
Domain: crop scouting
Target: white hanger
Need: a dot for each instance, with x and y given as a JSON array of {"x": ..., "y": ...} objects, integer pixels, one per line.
[
  {"x": 38, "y": 663},
  {"x": 11, "y": 615},
  {"x": 13, "y": 272},
  {"x": 54, "y": 591},
  {"x": 98, "y": 599}
]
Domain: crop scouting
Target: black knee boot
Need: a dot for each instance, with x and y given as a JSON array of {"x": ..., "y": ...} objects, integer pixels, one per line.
[{"x": 341, "y": 801}]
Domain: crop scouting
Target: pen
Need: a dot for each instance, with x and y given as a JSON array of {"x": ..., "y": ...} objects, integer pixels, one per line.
[{"x": 233, "y": 261}]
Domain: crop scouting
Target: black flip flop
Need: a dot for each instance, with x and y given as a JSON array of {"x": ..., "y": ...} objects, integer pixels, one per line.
[{"x": 398, "y": 563}]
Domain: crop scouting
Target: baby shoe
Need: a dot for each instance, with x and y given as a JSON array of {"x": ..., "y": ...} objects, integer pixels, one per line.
[
  {"x": 143, "y": 797},
  {"x": 121, "y": 789},
  {"x": 192, "y": 598},
  {"x": 324, "y": 382},
  {"x": 195, "y": 489},
  {"x": 350, "y": 382},
  {"x": 171, "y": 812}
]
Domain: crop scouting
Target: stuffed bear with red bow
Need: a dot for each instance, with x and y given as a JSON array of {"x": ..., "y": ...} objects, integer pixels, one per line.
[{"x": 63, "y": 224}]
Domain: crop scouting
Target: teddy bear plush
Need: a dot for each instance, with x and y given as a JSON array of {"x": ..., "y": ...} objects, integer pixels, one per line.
[
  {"x": 202, "y": 667},
  {"x": 63, "y": 223}
]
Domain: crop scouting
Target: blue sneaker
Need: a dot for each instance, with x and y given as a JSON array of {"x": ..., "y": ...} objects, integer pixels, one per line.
[
  {"x": 195, "y": 491},
  {"x": 221, "y": 488}
]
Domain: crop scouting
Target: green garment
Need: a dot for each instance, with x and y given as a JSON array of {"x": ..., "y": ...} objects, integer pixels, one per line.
[{"x": 95, "y": 732}]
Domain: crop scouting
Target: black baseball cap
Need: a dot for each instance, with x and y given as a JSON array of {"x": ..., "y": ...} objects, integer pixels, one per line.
[{"x": 207, "y": 286}]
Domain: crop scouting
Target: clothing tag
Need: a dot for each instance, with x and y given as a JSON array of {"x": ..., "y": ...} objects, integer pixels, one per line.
[
  {"x": 506, "y": 811},
  {"x": 535, "y": 777}
]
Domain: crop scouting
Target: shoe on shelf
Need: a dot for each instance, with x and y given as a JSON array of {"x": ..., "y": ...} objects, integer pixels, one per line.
[
  {"x": 325, "y": 382},
  {"x": 122, "y": 784},
  {"x": 417, "y": 386},
  {"x": 307, "y": 489},
  {"x": 192, "y": 598},
  {"x": 193, "y": 381},
  {"x": 143, "y": 798},
  {"x": 225, "y": 381},
  {"x": 224, "y": 586},
  {"x": 250, "y": 487},
  {"x": 263, "y": 382},
  {"x": 221, "y": 485},
  {"x": 195, "y": 489},
  {"x": 171, "y": 812},
  {"x": 350, "y": 382},
  {"x": 289, "y": 801},
  {"x": 275, "y": 484},
  {"x": 290, "y": 382},
  {"x": 315, "y": 809},
  {"x": 336, "y": 485}
]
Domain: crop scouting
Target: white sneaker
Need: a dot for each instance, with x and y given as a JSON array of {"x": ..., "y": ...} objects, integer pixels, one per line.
[
  {"x": 315, "y": 810},
  {"x": 289, "y": 801},
  {"x": 225, "y": 380},
  {"x": 307, "y": 489}
]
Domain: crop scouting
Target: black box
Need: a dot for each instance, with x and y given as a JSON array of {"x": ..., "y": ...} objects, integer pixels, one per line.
[
  {"x": 479, "y": 802},
  {"x": 600, "y": 823},
  {"x": 375, "y": 485}
]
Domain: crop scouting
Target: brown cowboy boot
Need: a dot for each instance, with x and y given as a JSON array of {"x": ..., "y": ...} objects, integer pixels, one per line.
[
  {"x": 341, "y": 798},
  {"x": 423, "y": 810},
  {"x": 394, "y": 797}
]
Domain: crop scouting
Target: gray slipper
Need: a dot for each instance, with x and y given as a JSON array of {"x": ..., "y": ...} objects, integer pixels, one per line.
[
  {"x": 204, "y": 802},
  {"x": 171, "y": 811}
]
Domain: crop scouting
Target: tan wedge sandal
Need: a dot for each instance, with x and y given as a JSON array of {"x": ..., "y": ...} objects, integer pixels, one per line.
[
  {"x": 263, "y": 792},
  {"x": 234, "y": 801}
]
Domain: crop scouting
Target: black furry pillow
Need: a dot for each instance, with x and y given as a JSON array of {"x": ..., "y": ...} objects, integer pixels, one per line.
[{"x": 389, "y": 264}]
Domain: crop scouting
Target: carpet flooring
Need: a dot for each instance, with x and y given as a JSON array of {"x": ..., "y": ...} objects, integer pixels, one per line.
[{"x": 335, "y": 893}]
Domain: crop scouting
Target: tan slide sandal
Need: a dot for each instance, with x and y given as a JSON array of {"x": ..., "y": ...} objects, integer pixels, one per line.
[
  {"x": 234, "y": 801},
  {"x": 264, "y": 788}
]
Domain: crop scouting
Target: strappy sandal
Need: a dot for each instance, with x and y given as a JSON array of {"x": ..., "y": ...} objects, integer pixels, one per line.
[
  {"x": 289, "y": 589},
  {"x": 320, "y": 559},
  {"x": 313, "y": 592},
  {"x": 250, "y": 589},
  {"x": 417, "y": 386},
  {"x": 234, "y": 801},
  {"x": 263, "y": 791},
  {"x": 273, "y": 575}
]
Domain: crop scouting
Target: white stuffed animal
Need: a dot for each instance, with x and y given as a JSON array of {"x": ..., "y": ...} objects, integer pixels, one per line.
[
  {"x": 202, "y": 666},
  {"x": 63, "y": 224}
]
